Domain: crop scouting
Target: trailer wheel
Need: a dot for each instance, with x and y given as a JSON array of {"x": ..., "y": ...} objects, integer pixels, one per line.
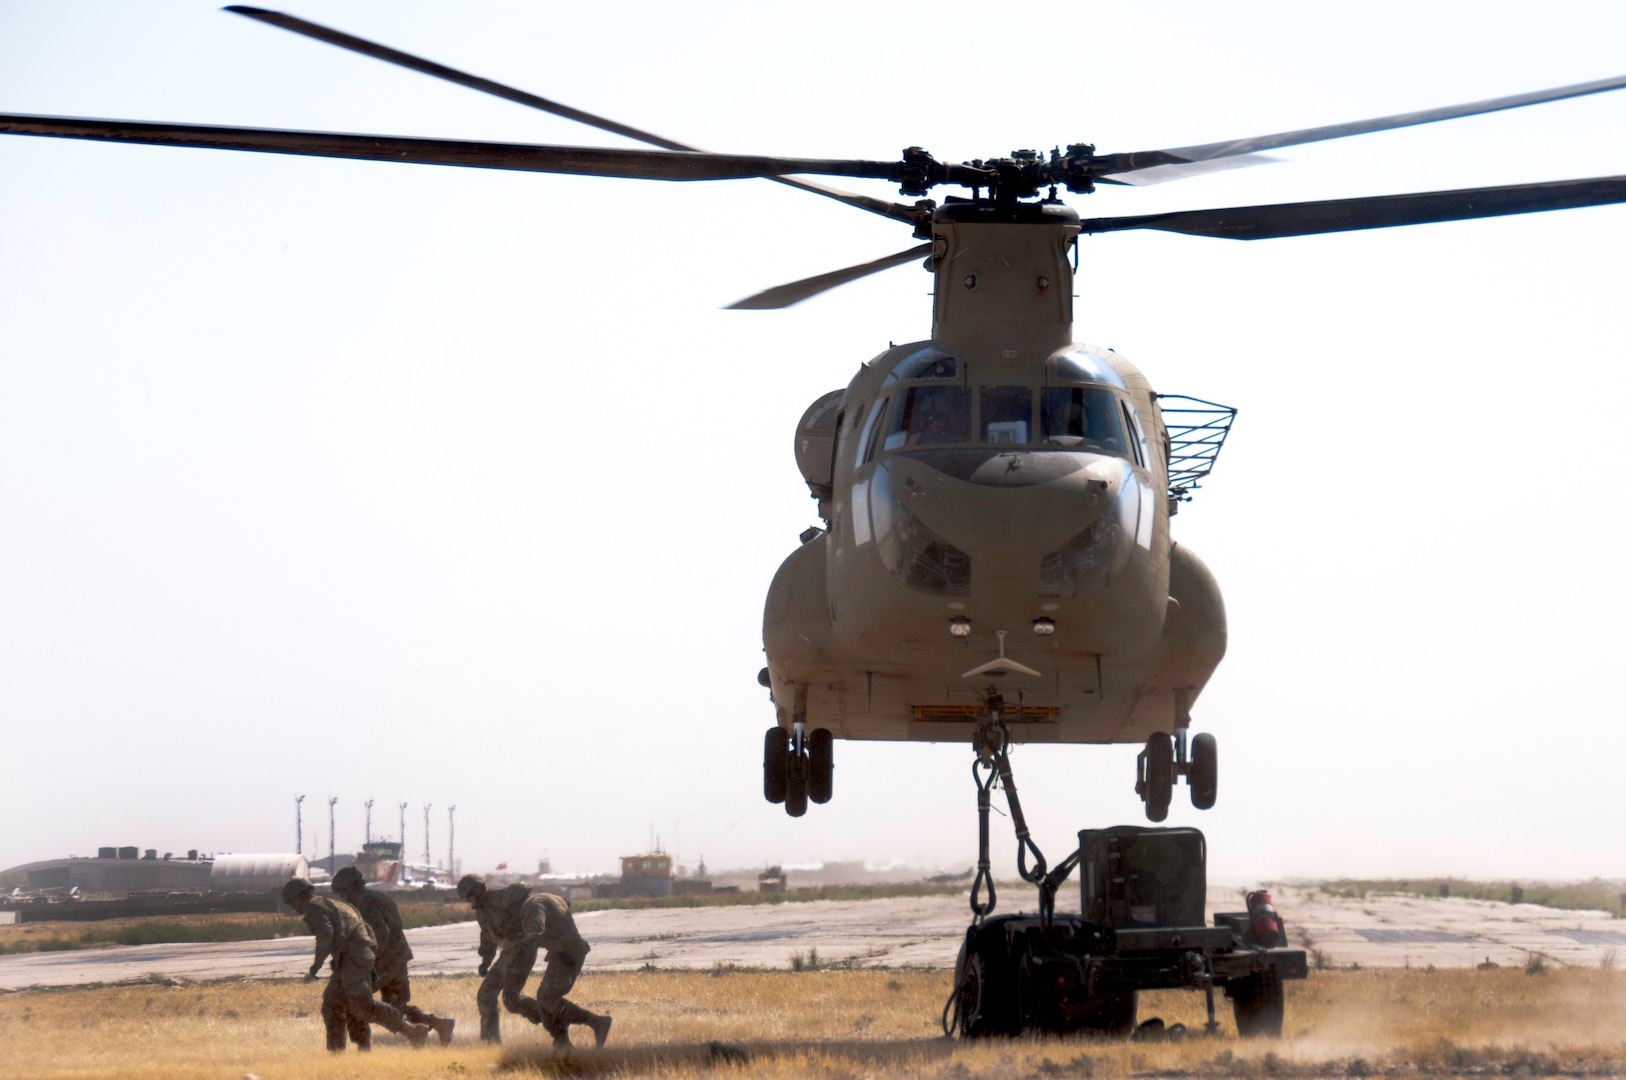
[
  {"x": 1258, "y": 1004},
  {"x": 775, "y": 759},
  {"x": 982, "y": 1000}
]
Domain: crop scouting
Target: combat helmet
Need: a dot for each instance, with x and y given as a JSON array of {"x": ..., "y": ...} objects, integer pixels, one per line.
[
  {"x": 347, "y": 877},
  {"x": 469, "y": 884},
  {"x": 294, "y": 887}
]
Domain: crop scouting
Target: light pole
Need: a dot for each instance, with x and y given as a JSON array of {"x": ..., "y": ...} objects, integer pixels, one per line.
[
  {"x": 403, "y": 831},
  {"x": 451, "y": 839},
  {"x": 369, "y": 805},
  {"x": 427, "y": 863},
  {"x": 332, "y": 850},
  {"x": 299, "y": 826}
]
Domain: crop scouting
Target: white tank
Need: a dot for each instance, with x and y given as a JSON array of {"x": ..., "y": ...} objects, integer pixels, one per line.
[{"x": 255, "y": 873}]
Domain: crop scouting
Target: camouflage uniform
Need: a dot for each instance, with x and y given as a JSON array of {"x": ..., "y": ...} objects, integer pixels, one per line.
[
  {"x": 384, "y": 919},
  {"x": 520, "y": 920},
  {"x": 348, "y": 1000}
]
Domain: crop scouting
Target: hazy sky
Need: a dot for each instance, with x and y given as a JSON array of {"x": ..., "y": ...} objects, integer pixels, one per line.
[{"x": 417, "y": 483}]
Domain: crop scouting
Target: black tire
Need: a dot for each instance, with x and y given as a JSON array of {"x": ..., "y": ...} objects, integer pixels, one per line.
[
  {"x": 983, "y": 998},
  {"x": 796, "y": 785},
  {"x": 1204, "y": 771},
  {"x": 775, "y": 756},
  {"x": 1258, "y": 1004},
  {"x": 820, "y": 765},
  {"x": 1159, "y": 776}
]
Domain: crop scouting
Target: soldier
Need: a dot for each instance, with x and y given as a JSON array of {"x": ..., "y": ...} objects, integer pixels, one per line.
[
  {"x": 520, "y": 920},
  {"x": 341, "y": 932},
  {"x": 384, "y": 919}
]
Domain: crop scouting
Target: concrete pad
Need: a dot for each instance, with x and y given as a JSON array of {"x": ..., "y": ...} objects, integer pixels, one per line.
[{"x": 919, "y": 932}]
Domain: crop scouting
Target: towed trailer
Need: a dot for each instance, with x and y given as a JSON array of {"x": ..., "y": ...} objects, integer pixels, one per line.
[{"x": 1140, "y": 927}]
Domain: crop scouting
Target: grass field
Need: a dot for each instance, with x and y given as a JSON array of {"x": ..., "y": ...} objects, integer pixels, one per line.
[
  {"x": 1596, "y": 895},
  {"x": 833, "y": 1024}
]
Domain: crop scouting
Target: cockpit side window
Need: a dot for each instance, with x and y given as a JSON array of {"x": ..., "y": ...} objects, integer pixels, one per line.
[
  {"x": 930, "y": 415},
  {"x": 866, "y": 440},
  {"x": 1083, "y": 417},
  {"x": 1137, "y": 441},
  {"x": 1007, "y": 414}
]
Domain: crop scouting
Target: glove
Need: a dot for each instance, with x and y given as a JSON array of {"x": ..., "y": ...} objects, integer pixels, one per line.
[
  {"x": 485, "y": 968},
  {"x": 310, "y": 976}
]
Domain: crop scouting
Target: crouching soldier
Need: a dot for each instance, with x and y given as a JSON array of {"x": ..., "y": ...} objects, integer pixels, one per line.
[
  {"x": 520, "y": 920},
  {"x": 341, "y": 933},
  {"x": 384, "y": 920}
]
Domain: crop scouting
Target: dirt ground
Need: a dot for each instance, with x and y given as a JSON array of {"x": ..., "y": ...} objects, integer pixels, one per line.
[{"x": 907, "y": 932}]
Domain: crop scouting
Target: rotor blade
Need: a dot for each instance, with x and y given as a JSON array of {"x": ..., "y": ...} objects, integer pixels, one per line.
[
  {"x": 1122, "y": 163},
  {"x": 783, "y": 296},
  {"x": 525, "y": 157},
  {"x": 1379, "y": 212},
  {"x": 534, "y": 101},
  {"x": 1162, "y": 174}
]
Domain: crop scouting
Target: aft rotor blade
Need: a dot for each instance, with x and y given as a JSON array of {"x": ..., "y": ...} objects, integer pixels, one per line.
[
  {"x": 784, "y": 296},
  {"x": 535, "y": 101},
  {"x": 524, "y": 157},
  {"x": 1110, "y": 164},
  {"x": 1378, "y": 212}
]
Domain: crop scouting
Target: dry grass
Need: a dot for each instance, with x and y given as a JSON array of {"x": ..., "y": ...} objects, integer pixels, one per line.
[{"x": 829, "y": 1024}]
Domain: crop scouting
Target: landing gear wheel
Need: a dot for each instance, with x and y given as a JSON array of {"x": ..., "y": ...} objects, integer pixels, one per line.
[
  {"x": 1258, "y": 1005},
  {"x": 1157, "y": 775},
  {"x": 1204, "y": 773},
  {"x": 796, "y": 785},
  {"x": 820, "y": 765},
  {"x": 775, "y": 762}
]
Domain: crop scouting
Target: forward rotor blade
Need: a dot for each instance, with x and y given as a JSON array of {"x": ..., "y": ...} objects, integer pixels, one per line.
[
  {"x": 783, "y": 296},
  {"x": 1111, "y": 164},
  {"x": 1378, "y": 212},
  {"x": 524, "y": 157},
  {"x": 355, "y": 44}
]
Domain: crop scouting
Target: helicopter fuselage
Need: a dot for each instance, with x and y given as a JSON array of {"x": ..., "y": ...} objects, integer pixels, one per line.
[{"x": 997, "y": 522}]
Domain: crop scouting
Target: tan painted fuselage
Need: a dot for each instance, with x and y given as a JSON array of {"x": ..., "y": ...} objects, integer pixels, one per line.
[{"x": 1000, "y": 518}]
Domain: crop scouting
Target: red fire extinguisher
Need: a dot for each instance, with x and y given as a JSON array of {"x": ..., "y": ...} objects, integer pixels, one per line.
[{"x": 1267, "y": 925}]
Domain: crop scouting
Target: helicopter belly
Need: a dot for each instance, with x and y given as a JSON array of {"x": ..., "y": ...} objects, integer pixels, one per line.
[{"x": 858, "y": 647}]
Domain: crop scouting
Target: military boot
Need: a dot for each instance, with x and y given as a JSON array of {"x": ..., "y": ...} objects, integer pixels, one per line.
[
  {"x": 443, "y": 1028},
  {"x": 601, "y": 1028}
]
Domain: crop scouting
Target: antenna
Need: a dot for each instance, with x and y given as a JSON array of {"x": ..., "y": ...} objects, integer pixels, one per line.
[{"x": 299, "y": 826}]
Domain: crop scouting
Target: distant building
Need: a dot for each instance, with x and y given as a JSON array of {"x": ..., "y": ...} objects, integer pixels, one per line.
[
  {"x": 120, "y": 869},
  {"x": 646, "y": 875}
]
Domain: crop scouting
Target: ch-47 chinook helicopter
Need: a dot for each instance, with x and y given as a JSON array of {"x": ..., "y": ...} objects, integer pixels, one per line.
[{"x": 997, "y": 561}]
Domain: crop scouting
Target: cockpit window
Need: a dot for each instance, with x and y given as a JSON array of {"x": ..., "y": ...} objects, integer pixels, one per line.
[
  {"x": 1007, "y": 414},
  {"x": 925, "y": 364},
  {"x": 1081, "y": 416},
  {"x": 1081, "y": 365},
  {"x": 929, "y": 415}
]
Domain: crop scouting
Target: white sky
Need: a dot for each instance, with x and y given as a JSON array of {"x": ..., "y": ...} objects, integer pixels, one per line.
[{"x": 423, "y": 483}]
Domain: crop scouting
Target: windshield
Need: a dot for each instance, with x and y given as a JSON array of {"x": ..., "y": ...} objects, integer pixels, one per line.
[
  {"x": 1081, "y": 416},
  {"x": 928, "y": 415}
]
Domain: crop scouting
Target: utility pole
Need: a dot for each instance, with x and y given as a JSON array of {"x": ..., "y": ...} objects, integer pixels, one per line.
[
  {"x": 427, "y": 862},
  {"x": 299, "y": 826},
  {"x": 332, "y": 849},
  {"x": 369, "y": 805},
  {"x": 451, "y": 839}
]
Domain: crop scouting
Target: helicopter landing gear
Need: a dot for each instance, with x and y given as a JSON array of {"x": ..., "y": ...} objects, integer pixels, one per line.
[
  {"x": 1165, "y": 759},
  {"x": 797, "y": 768}
]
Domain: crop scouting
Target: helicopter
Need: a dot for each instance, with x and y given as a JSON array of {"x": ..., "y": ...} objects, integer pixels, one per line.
[{"x": 906, "y": 662}]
